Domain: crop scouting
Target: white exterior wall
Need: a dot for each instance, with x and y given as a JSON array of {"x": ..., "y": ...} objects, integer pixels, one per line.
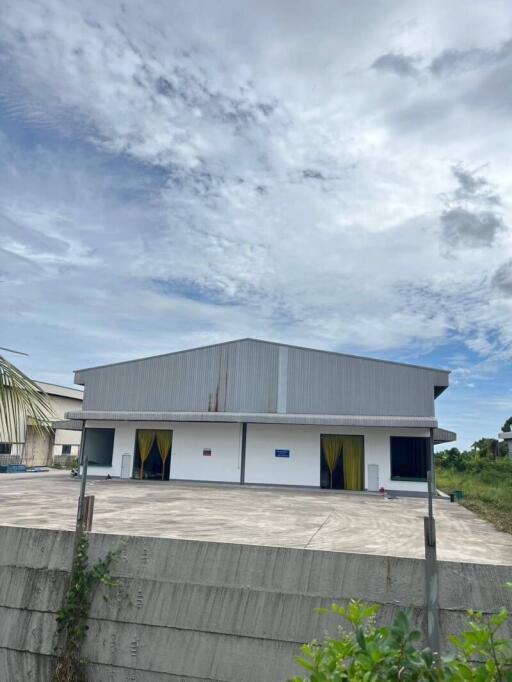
[
  {"x": 303, "y": 465},
  {"x": 61, "y": 405},
  {"x": 261, "y": 465},
  {"x": 301, "y": 468},
  {"x": 188, "y": 442},
  {"x": 225, "y": 442},
  {"x": 67, "y": 437}
]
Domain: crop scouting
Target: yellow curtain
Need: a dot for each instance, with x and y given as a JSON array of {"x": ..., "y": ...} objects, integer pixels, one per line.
[
  {"x": 164, "y": 442},
  {"x": 332, "y": 449},
  {"x": 352, "y": 462},
  {"x": 145, "y": 440}
]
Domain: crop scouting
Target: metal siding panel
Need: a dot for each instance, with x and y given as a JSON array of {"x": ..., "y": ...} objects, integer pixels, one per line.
[
  {"x": 282, "y": 381},
  {"x": 320, "y": 383},
  {"x": 234, "y": 377},
  {"x": 243, "y": 376},
  {"x": 253, "y": 371},
  {"x": 186, "y": 381}
]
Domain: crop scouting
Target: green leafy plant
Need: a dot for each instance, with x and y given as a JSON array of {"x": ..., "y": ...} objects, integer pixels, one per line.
[
  {"x": 72, "y": 617},
  {"x": 365, "y": 652},
  {"x": 482, "y": 641},
  {"x": 21, "y": 399},
  {"x": 487, "y": 485}
]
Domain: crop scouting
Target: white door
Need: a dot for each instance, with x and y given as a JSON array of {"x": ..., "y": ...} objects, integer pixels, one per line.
[
  {"x": 373, "y": 477},
  {"x": 126, "y": 466}
]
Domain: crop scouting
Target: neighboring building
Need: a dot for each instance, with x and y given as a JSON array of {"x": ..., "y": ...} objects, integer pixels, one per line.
[
  {"x": 507, "y": 437},
  {"x": 251, "y": 411},
  {"x": 38, "y": 449}
]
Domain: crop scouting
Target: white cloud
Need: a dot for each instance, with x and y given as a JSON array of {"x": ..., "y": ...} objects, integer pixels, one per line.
[{"x": 200, "y": 174}]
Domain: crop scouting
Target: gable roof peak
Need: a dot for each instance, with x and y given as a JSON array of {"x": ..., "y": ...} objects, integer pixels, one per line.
[{"x": 270, "y": 343}]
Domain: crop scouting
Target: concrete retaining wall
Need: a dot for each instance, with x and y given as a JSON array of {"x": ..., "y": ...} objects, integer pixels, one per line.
[{"x": 200, "y": 612}]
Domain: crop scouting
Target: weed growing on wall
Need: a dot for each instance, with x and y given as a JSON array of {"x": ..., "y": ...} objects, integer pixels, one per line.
[
  {"x": 72, "y": 618},
  {"x": 363, "y": 652}
]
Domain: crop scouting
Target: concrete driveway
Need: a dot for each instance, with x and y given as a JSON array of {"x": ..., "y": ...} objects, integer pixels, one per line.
[{"x": 254, "y": 515}]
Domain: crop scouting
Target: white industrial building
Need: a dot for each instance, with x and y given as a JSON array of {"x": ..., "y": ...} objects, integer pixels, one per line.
[
  {"x": 256, "y": 412},
  {"x": 35, "y": 448}
]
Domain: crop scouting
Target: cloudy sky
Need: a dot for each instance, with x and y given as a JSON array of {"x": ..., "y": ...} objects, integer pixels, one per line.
[{"x": 330, "y": 174}]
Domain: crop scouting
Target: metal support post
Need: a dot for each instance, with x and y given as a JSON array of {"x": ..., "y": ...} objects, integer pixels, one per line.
[
  {"x": 88, "y": 512},
  {"x": 431, "y": 575},
  {"x": 82, "y": 465}
]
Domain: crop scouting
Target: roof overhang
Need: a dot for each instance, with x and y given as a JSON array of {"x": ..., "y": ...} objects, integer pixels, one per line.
[
  {"x": 257, "y": 418},
  {"x": 505, "y": 435},
  {"x": 444, "y": 436},
  {"x": 61, "y": 391},
  {"x": 67, "y": 424}
]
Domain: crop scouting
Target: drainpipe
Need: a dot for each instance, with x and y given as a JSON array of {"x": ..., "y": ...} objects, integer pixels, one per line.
[{"x": 242, "y": 453}]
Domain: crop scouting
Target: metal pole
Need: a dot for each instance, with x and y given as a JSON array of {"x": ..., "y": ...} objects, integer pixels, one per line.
[
  {"x": 80, "y": 516},
  {"x": 82, "y": 462},
  {"x": 432, "y": 464},
  {"x": 431, "y": 575},
  {"x": 88, "y": 512}
]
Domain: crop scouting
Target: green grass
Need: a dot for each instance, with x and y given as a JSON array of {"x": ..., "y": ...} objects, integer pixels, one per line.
[{"x": 487, "y": 489}]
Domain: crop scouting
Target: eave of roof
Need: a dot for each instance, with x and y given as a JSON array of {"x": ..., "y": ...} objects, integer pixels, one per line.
[
  {"x": 61, "y": 391},
  {"x": 257, "y": 418},
  {"x": 68, "y": 424},
  {"x": 444, "y": 436}
]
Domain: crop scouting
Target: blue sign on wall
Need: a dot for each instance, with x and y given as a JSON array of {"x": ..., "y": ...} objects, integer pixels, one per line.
[{"x": 282, "y": 453}]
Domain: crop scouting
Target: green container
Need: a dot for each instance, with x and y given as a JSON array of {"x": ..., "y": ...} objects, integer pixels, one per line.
[{"x": 459, "y": 494}]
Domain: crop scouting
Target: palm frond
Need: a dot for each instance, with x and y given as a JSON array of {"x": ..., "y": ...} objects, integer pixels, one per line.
[{"x": 21, "y": 401}]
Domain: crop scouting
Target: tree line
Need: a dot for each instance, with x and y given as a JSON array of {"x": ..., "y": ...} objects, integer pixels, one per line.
[{"x": 483, "y": 449}]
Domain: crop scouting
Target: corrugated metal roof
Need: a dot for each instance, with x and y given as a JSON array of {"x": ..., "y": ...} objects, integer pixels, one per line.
[
  {"x": 251, "y": 376},
  {"x": 444, "y": 436},
  {"x": 62, "y": 391},
  {"x": 255, "y": 418}
]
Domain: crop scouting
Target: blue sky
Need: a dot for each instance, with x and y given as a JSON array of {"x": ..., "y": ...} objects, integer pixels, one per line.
[{"x": 336, "y": 176}]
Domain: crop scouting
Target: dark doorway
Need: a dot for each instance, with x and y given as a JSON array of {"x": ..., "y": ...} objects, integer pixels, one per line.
[
  {"x": 341, "y": 462},
  {"x": 152, "y": 469},
  {"x": 325, "y": 473}
]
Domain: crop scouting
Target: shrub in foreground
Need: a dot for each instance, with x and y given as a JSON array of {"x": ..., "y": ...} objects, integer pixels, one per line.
[{"x": 363, "y": 652}]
